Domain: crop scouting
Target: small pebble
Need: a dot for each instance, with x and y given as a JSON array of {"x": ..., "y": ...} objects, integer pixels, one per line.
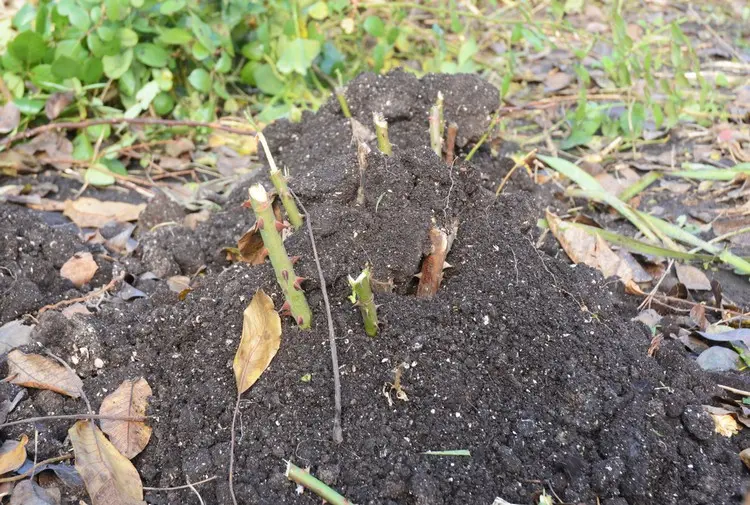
[{"x": 98, "y": 363}]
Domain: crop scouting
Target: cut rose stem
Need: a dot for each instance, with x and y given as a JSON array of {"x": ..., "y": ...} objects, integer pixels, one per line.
[
  {"x": 433, "y": 265},
  {"x": 436, "y": 140},
  {"x": 362, "y": 151},
  {"x": 450, "y": 143},
  {"x": 279, "y": 182},
  {"x": 365, "y": 301},
  {"x": 381, "y": 130},
  {"x": 269, "y": 227},
  {"x": 303, "y": 478}
]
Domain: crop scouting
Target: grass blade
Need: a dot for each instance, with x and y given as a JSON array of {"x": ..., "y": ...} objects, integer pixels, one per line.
[
  {"x": 455, "y": 452},
  {"x": 641, "y": 184}
]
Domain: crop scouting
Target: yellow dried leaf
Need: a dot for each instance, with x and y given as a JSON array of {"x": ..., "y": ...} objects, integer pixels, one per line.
[
  {"x": 110, "y": 477},
  {"x": 251, "y": 247},
  {"x": 35, "y": 371},
  {"x": 130, "y": 399},
  {"x": 725, "y": 424},
  {"x": 582, "y": 247},
  {"x": 13, "y": 454},
  {"x": 261, "y": 337},
  {"x": 93, "y": 213},
  {"x": 79, "y": 269}
]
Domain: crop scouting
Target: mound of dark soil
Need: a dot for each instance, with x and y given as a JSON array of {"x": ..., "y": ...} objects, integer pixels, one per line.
[{"x": 528, "y": 363}]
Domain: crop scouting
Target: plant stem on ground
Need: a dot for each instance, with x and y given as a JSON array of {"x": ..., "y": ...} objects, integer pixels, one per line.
[
  {"x": 341, "y": 97},
  {"x": 439, "y": 104},
  {"x": 362, "y": 151},
  {"x": 280, "y": 183},
  {"x": 450, "y": 143},
  {"x": 303, "y": 478},
  {"x": 436, "y": 140},
  {"x": 381, "y": 130},
  {"x": 270, "y": 232},
  {"x": 363, "y": 297}
]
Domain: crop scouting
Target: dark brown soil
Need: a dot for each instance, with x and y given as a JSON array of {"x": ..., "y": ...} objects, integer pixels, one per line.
[{"x": 528, "y": 363}]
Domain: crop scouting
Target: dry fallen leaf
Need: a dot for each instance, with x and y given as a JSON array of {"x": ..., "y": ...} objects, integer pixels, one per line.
[
  {"x": 128, "y": 400},
  {"x": 110, "y": 477},
  {"x": 13, "y": 454},
  {"x": 178, "y": 283},
  {"x": 555, "y": 81},
  {"x": 14, "y": 334},
  {"x": 725, "y": 424},
  {"x": 29, "y": 492},
  {"x": 76, "y": 308},
  {"x": 93, "y": 213},
  {"x": 10, "y": 116},
  {"x": 35, "y": 371},
  {"x": 745, "y": 457},
  {"x": 582, "y": 247},
  {"x": 251, "y": 247},
  {"x": 693, "y": 278},
  {"x": 56, "y": 103},
  {"x": 261, "y": 337},
  {"x": 79, "y": 269}
]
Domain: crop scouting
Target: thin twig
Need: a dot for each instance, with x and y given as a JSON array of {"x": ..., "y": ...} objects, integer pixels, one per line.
[
  {"x": 232, "y": 442},
  {"x": 525, "y": 161},
  {"x": 32, "y": 470},
  {"x": 72, "y": 416},
  {"x": 177, "y": 488},
  {"x": 93, "y": 294},
  {"x": 147, "y": 121},
  {"x": 192, "y": 488},
  {"x": 647, "y": 301},
  {"x": 338, "y": 435}
]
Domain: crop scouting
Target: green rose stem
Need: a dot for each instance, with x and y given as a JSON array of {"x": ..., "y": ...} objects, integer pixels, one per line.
[
  {"x": 362, "y": 296},
  {"x": 279, "y": 182},
  {"x": 436, "y": 140},
  {"x": 270, "y": 229},
  {"x": 303, "y": 478},
  {"x": 381, "y": 130},
  {"x": 439, "y": 104},
  {"x": 341, "y": 97}
]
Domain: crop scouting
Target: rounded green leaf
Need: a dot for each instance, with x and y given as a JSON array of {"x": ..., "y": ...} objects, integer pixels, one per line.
[
  {"x": 14, "y": 84},
  {"x": 163, "y": 103},
  {"x": 175, "y": 36},
  {"x": 65, "y": 67},
  {"x": 253, "y": 50},
  {"x": 92, "y": 71},
  {"x": 164, "y": 77},
  {"x": 99, "y": 175},
  {"x": 200, "y": 80},
  {"x": 82, "y": 148},
  {"x": 128, "y": 37},
  {"x": 318, "y": 10},
  {"x": 199, "y": 51},
  {"x": 29, "y": 106},
  {"x": 224, "y": 64},
  {"x": 152, "y": 55},
  {"x": 171, "y": 6},
  {"x": 298, "y": 56},
  {"x": 266, "y": 80},
  {"x": 374, "y": 26},
  {"x": 28, "y": 47},
  {"x": 115, "y": 66},
  {"x": 115, "y": 166},
  {"x": 96, "y": 131},
  {"x": 128, "y": 83}
]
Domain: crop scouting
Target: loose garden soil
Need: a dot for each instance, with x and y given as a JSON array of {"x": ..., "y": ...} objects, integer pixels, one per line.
[{"x": 531, "y": 365}]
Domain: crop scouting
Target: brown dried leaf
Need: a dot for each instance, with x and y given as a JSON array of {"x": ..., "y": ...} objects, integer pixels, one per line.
[
  {"x": 725, "y": 424},
  {"x": 178, "y": 283},
  {"x": 693, "y": 278},
  {"x": 555, "y": 81},
  {"x": 79, "y": 269},
  {"x": 251, "y": 247},
  {"x": 56, "y": 103},
  {"x": 261, "y": 338},
  {"x": 35, "y": 371},
  {"x": 29, "y": 492},
  {"x": 10, "y": 116},
  {"x": 582, "y": 247},
  {"x": 745, "y": 457},
  {"x": 93, "y": 213},
  {"x": 13, "y": 454},
  {"x": 110, "y": 477},
  {"x": 128, "y": 400}
]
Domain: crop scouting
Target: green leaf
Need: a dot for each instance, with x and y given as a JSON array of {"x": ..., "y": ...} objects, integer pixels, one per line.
[
  {"x": 115, "y": 66},
  {"x": 14, "y": 83},
  {"x": 224, "y": 64},
  {"x": 318, "y": 10},
  {"x": 152, "y": 55},
  {"x": 99, "y": 175},
  {"x": 266, "y": 80},
  {"x": 127, "y": 83},
  {"x": 82, "y": 148},
  {"x": 374, "y": 26},
  {"x": 128, "y": 37},
  {"x": 76, "y": 14},
  {"x": 96, "y": 131},
  {"x": 65, "y": 67},
  {"x": 468, "y": 49},
  {"x": 115, "y": 166},
  {"x": 200, "y": 79},
  {"x": 298, "y": 56},
  {"x": 28, "y": 47},
  {"x": 23, "y": 18},
  {"x": 116, "y": 10},
  {"x": 144, "y": 97},
  {"x": 203, "y": 33},
  {"x": 175, "y": 36},
  {"x": 171, "y": 6},
  {"x": 29, "y": 106},
  {"x": 92, "y": 71}
]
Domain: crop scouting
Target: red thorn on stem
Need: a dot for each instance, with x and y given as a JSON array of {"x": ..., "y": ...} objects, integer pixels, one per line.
[
  {"x": 286, "y": 309},
  {"x": 281, "y": 226},
  {"x": 259, "y": 223},
  {"x": 300, "y": 320},
  {"x": 294, "y": 259},
  {"x": 298, "y": 282},
  {"x": 246, "y": 204}
]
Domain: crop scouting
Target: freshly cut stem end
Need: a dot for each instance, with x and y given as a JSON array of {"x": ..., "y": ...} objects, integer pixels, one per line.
[
  {"x": 441, "y": 120},
  {"x": 282, "y": 265},
  {"x": 362, "y": 293},
  {"x": 436, "y": 140},
  {"x": 280, "y": 183},
  {"x": 301, "y": 477},
  {"x": 341, "y": 97},
  {"x": 450, "y": 143},
  {"x": 381, "y": 130}
]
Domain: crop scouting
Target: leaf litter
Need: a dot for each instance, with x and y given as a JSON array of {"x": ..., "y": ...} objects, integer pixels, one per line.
[
  {"x": 130, "y": 399},
  {"x": 41, "y": 372}
]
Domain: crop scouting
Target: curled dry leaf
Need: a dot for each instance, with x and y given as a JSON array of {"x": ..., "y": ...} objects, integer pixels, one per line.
[
  {"x": 79, "y": 269},
  {"x": 693, "y": 278},
  {"x": 251, "y": 247},
  {"x": 130, "y": 399},
  {"x": 35, "y": 371},
  {"x": 28, "y": 492},
  {"x": 13, "y": 454},
  {"x": 110, "y": 477},
  {"x": 261, "y": 338},
  {"x": 93, "y": 213},
  {"x": 57, "y": 102},
  {"x": 725, "y": 424},
  {"x": 582, "y": 247}
]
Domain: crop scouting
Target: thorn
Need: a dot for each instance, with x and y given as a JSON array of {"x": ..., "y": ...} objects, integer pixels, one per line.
[
  {"x": 285, "y": 275},
  {"x": 246, "y": 204},
  {"x": 286, "y": 309},
  {"x": 259, "y": 223},
  {"x": 300, "y": 320},
  {"x": 294, "y": 259},
  {"x": 297, "y": 283},
  {"x": 281, "y": 226},
  {"x": 418, "y": 276},
  {"x": 446, "y": 265}
]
